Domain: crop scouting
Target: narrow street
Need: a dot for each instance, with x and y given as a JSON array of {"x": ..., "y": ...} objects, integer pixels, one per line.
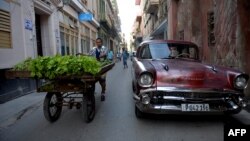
[
  {"x": 115, "y": 120},
  {"x": 190, "y": 56}
]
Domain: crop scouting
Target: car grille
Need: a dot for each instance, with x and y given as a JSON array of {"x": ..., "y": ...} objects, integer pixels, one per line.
[
  {"x": 190, "y": 94},
  {"x": 158, "y": 97}
]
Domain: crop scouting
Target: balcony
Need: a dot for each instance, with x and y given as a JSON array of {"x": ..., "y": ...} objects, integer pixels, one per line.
[
  {"x": 151, "y": 6},
  {"x": 105, "y": 20}
]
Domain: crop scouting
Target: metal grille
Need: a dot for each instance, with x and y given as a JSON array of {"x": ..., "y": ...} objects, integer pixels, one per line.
[{"x": 191, "y": 95}]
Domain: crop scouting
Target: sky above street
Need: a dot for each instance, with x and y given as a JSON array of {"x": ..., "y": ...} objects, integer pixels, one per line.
[{"x": 127, "y": 12}]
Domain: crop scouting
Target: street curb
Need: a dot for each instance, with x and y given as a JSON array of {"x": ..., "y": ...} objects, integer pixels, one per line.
[{"x": 2, "y": 100}]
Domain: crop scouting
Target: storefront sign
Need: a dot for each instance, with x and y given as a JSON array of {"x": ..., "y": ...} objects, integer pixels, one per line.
[{"x": 85, "y": 17}]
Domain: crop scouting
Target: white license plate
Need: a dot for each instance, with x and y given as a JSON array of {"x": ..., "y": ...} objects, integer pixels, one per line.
[{"x": 194, "y": 107}]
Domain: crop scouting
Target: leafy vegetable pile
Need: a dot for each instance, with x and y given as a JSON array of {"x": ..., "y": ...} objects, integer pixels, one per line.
[
  {"x": 105, "y": 62},
  {"x": 54, "y": 66}
]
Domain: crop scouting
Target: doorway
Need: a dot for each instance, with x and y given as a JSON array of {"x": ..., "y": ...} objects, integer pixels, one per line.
[{"x": 38, "y": 35}]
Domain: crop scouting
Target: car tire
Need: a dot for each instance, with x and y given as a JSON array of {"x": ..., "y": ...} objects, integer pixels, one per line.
[
  {"x": 133, "y": 86},
  {"x": 139, "y": 114}
]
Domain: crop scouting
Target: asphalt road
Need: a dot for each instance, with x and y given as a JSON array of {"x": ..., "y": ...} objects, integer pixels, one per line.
[{"x": 114, "y": 121}]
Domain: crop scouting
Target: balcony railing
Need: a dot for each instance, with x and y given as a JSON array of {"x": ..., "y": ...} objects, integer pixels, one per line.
[{"x": 151, "y": 6}]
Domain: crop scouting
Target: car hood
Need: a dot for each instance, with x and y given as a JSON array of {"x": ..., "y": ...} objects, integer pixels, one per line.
[{"x": 192, "y": 74}]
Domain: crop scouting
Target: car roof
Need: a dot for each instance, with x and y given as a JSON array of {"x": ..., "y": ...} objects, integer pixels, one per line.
[{"x": 167, "y": 41}]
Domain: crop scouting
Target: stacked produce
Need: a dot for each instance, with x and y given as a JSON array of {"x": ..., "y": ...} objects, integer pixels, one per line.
[{"x": 54, "y": 66}]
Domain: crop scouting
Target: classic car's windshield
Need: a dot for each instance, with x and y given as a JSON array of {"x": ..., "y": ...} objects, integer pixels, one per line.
[{"x": 168, "y": 51}]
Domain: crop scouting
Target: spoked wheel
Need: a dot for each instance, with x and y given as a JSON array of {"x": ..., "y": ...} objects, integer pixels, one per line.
[
  {"x": 88, "y": 105},
  {"x": 52, "y": 106}
]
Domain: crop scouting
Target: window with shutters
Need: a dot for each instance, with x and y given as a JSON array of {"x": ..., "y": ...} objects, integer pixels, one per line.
[{"x": 5, "y": 30}]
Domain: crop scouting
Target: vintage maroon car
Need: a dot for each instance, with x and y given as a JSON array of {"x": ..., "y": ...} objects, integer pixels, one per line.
[{"x": 168, "y": 77}]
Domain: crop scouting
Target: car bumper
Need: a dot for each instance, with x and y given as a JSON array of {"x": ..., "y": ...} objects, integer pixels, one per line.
[
  {"x": 172, "y": 104},
  {"x": 176, "y": 109}
]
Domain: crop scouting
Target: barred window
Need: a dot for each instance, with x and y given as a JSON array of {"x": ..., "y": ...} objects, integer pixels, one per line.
[
  {"x": 181, "y": 35},
  {"x": 210, "y": 23},
  {"x": 5, "y": 30}
]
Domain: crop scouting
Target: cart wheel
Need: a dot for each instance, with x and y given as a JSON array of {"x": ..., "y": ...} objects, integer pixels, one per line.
[
  {"x": 51, "y": 106},
  {"x": 88, "y": 107}
]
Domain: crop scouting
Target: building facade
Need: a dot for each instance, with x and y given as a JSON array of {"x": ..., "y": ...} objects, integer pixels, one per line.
[
  {"x": 27, "y": 29},
  {"x": 116, "y": 27},
  {"x": 77, "y": 36},
  {"x": 138, "y": 27},
  {"x": 151, "y": 21}
]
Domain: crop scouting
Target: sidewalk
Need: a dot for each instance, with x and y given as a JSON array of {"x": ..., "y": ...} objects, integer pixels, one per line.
[{"x": 13, "y": 110}]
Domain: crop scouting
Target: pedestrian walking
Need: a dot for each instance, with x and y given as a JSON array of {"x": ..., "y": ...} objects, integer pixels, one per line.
[
  {"x": 125, "y": 56},
  {"x": 110, "y": 55}
]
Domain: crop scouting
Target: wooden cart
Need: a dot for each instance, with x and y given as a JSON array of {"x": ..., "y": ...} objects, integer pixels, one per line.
[{"x": 70, "y": 91}]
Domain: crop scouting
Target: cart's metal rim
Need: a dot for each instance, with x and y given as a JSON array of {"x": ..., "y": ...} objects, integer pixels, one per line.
[{"x": 52, "y": 105}]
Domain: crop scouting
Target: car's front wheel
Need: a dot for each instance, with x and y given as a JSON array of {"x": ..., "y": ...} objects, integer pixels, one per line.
[{"x": 138, "y": 113}]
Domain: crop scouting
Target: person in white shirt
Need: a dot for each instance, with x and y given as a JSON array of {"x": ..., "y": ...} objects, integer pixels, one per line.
[{"x": 100, "y": 52}]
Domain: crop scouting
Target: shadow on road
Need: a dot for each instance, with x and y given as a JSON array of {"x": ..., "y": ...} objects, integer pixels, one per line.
[{"x": 226, "y": 119}]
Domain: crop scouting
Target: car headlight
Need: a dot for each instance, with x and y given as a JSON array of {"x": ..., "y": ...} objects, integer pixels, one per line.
[
  {"x": 240, "y": 82},
  {"x": 145, "y": 80}
]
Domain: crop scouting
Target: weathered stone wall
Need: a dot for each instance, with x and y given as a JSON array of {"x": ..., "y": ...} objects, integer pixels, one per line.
[
  {"x": 226, "y": 53},
  {"x": 232, "y": 28}
]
